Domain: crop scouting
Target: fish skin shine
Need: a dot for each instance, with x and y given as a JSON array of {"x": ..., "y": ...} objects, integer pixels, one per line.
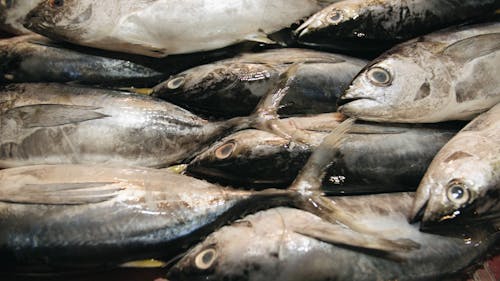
[{"x": 163, "y": 27}]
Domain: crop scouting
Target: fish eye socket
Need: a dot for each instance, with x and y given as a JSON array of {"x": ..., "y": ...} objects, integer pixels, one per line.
[
  {"x": 176, "y": 82},
  {"x": 56, "y": 3},
  {"x": 457, "y": 192},
  {"x": 205, "y": 259},
  {"x": 335, "y": 16},
  {"x": 379, "y": 76},
  {"x": 225, "y": 150}
]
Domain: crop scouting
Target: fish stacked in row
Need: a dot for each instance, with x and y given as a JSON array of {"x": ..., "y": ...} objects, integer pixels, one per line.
[{"x": 94, "y": 148}]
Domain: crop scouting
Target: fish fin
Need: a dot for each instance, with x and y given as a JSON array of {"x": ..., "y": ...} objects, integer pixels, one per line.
[
  {"x": 341, "y": 236},
  {"x": 376, "y": 130},
  {"x": 260, "y": 37},
  {"x": 150, "y": 263},
  {"x": 177, "y": 169},
  {"x": 62, "y": 193},
  {"x": 140, "y": 91},
  {"x": 50, "y": 115},
  {"x": 473, "y": 47}
]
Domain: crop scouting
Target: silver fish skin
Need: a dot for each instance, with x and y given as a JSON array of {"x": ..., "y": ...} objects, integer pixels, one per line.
[
  {"x": 12, "y": 14},
  {"x": 162, "y": 27},
  {"x": 269, "y": 248},
  {"x": 372, "y": 158},
  {"x": 62, "y": 124},
  {"x": 79, "y": 216},
  {"x": 389, "y": 20},
  {"x": 447, "y": 75},
  {"x": 234, "y": 86},
  {"x": 464, "y": 177},
  {"x": 33, "y": 58}
]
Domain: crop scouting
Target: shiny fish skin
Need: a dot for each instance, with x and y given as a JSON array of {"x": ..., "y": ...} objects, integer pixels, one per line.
[
  {"x": 163, "y": 27},
  {"x": 12, "y": 14},
  {"x": 78, "y": 216},
  {"x": 61, "y": 124},
  {"x": 464, "y": 177},
  {"x": 234, "y": 86},
  {"x": 388, "y": 20},
  {"x": 267, "y": 248},
  {"x": 448, "y": 75},
  {"x": 32, "y": 58},
  {"x": 383, "y": 158}
]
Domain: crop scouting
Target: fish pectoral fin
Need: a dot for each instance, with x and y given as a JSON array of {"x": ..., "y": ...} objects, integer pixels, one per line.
[
  {"x": 375, "y": 130},
  {"x": 473, "y": 47},
  {"x": 62, "y": 193},
  {"x": 50, "y": 115},
  {"x": 341, "y": 236},
  {"x": 260, "y": 37},
  {"x": 149, "y": 263}
]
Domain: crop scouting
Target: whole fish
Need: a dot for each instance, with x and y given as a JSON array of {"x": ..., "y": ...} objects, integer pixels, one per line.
[
  {"x": 359, "y": 23},
  {"x": 268, "y": 246},
  {"x": 234, "y": 86},
  {"x": 33, "y": 58},
  {"x": 464, "y": 177},
  {"x": 447, "y": 75},
  {"x": 163, "y": 27},
  {"x": 12, "y": 14},
  {"x": 372, "y": 158},
  {"x": 62, "y": 124}
]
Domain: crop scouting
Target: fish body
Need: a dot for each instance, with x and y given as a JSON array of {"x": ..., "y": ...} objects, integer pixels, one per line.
[
  {"x": 12, "y": 14},
  {"x": 389, "y": 21},
  {"x": 464, "y": 177},
  {"x": 372, "y": 158},
  {"x": 77, "y": 216},
  {"x": 62, "y": 124},
  {"x": 269, "y": 248},
  {"x": 234, "y": 86},
  {"x": 447, "y": 75},
  {"x": 33, "y": 58},
  {"x": 163, "y": 27}
]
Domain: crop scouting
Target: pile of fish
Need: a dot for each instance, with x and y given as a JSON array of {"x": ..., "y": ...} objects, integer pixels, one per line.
[{"x": 250, "y": 140}]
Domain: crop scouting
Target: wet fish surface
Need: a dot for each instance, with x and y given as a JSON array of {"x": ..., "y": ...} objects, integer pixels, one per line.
[
  {"x": 372, "y": 158},
  {"x": 380, "y": 23},
  {"x": 464, "y": 177},
  {"x": 62, "y": 124},
  {"x": 33, "y": 58},
  {"x": 12, "y": 14},
  {"x": 234, "y": 86},
  {"x": 269, "y": 247},
  {"x": 447, "y": 75},
  {"x": 163, "y": 27}
]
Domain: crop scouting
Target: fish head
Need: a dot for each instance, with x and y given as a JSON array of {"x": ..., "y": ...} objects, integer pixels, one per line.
[
  {"x": 394, "y": 88},
  {"x": 332, "y": 22},
  {"x": 69, "y": 20},
  {"x": 456, "y": 184}
]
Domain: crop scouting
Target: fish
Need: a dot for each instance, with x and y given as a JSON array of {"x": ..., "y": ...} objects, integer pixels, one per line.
[
  {"x": 49, "y": 123},
  {"x": 270, "y": 246},
  {"x": 447, "y": 75},
  {"x": 378, "y": 24},
  {"x": 33, "y": 58},
  {"x": 234, "y": 86},
  {"x": 159, "y": 28},
  {"x": 463, "y": 180},
  {"x": 12, "y": 14},
  {"x": 372, "y": 157}
]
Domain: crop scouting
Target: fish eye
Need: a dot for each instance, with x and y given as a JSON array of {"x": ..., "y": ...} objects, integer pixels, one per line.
[
  {"x": 335, "y": 16},
  {"x": 379, "y": 76},
  {"x": 225, "y": 150},
  {"x": 205, "y": 259},
  {"x": 56, "y": 3},
  {"x": 176, "y": 82},
  {"x": 457, "y": 192}
]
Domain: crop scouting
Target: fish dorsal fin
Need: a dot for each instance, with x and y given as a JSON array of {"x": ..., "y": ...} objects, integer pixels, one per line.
[
  {"x": 473, "y": 47},
  {"x": 341, "y": 236},
  {"x": 61, "y": 193},
  {"x": 50, "y": 115}
]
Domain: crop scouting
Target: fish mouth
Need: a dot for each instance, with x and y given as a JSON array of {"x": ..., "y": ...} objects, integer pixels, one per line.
[
  {"x": 418, "y": 212},
  {"x": 343, "y": 101}
]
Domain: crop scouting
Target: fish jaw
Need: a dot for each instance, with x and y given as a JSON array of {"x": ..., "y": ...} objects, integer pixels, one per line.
[{"x": 360, "y": 106}]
